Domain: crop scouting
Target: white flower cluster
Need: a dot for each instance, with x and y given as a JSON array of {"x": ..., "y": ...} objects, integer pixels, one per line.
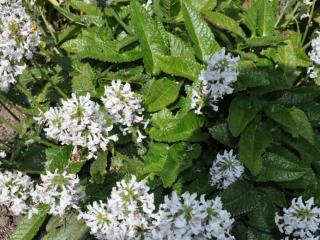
[
  {"x": 61, "y": 191},
  {"x": 78, "y": 122},
  {"x": 16, "y": 191},
  {"x": 314, "y": 55},
  {"x": 225, "y": 170},
  {"x": 126, "y": 215},
  {"x": 18, "y": 40},
  {"x": 188, "y": 218},
  {"x": 307, "y": 2},
  {"x": 129, "y": 214},
  {"x": 301, "y": 220},
  {"x": 21, "y": 195},
  {"x": 218, "y": 78},
  {"x": 124, "y": 107},
  {"x": 216, "y": 81}
]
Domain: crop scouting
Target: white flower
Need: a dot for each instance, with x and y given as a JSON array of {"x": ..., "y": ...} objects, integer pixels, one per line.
[
  {"x": 301, "y": 219},
  {"x": 312, "y": 72},
  {"x": 123, "y": 106},
  {"x": 197, "y": 101},
  {"x": 3, "y": 154},
  {"x": 307, "y": 2},
  {"x": 314, "y": 54},
  {"x": 305, "y": 15},
  {"x": 16, "y": 190},
  {"x": 225, "y": 170},
  {"x": 18, "y": 40},
  {"x": 218, "y": 78},
  {"x": 60, "y": 191},
  {"x": 188, "y": 218},
  {"x": 78, "y": 122},
  {"x": 127, "y": 214},
  {"x": 218, "y": 221}
]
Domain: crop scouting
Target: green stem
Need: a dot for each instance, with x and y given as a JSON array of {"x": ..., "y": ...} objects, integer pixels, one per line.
[
  {"x": 49, "y": 28},
  {"x": 119, "y": 20},
  {"x": 309, "y": 22}
]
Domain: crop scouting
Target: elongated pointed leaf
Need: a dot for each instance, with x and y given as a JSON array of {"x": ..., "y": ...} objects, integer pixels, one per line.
[{"x": 199, "y": 32}]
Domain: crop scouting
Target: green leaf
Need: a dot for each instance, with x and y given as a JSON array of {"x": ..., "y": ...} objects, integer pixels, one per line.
[
  {"x": 84, "y": 20},
  {"x": 162, "y": 93},
  {"x": 168, "y": 9},
  {"x": 199, "y": 32},
  {"x": 222, "y": 21},
  {"x": 155, "y": 158},
  {"x": 266, "y": 41},
  {"x": 299, "y": 95},
  {"x": 28, "y": 228},
  {"x": 98, "y": 169},
  {"x": 280, "y": 169},
  {"x": 90, "y": 9},
  {"x": 180, "y": 66},
  {"x": 150, "y": 38},
  {"x": 221, "y": 133},
  {"x": 241, "y": 112},
  {"x": 106, "y": 51},
  {"x": 57, "y": 157},
  {"x": 293, "y": 120},
  {"x": 83, "y": 80},
  {"x": 70, "y": 229},
  {"x": 167, "y": 128},
  {"x": 172, "y": 166},
  {"x": 240, "y": 198},
  {"x": 202, "y": 5},
  {"x": 180, "y": 48},
  {"x": 253, "y": 142},
  {"x": 250, "y": 76}
]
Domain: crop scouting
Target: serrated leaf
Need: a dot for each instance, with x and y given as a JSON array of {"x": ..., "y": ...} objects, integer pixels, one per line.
[
  {"x": 155, "y": 158},
  {"x": 130, "y": 75},
  {"x": 180, "y": 66},
  {"x": 222, "y": 21},
  {"x": 85, "y": 20},
  {"x": 266, "y": 41},
  {"x": 199, "y": 32},
  {"x": 294, "y": 121},
  {"x": 168, "y": 128},
  {"x": 106, "y": 51},
  {"x": 150, "y": 38},
  {"x": 253, "y": 142},
  {"x": 162, "y": 93},
  {"x": 240, "y": 198},
  {"x": 167, "y": 9},
  {"x": 28, "y": 228},
  {"x": 83, "y": 80},
  {"x": 241, "y": 112},
  {"x": 179, "y": 48}
]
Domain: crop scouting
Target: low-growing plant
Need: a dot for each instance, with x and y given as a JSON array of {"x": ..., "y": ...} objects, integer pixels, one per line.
[{"x": 163, "y": 119}]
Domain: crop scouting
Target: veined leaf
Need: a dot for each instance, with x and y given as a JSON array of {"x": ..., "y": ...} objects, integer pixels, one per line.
[
  {"x": 241, "y": 197},
  {"x": 91, "y": 9},
  {"x": 85, "y": 20},
  {"x": 294, "y": 121},
  {"x": 162, "y": 93},
  {"x": 221, "y": 133},
  {"x": 83, "y": 80},
  {"x": 253, "y": 142},
  {"x": 280, "y": 169},
  {"x": 167, "y": 9},
  {"x": 179, "y": 48},
  {"x": 199, "y": 32},
  {"x": 27, "y": 228},
  {"x": 180, "y": 66},
  {"x": 150, "y": 38}
]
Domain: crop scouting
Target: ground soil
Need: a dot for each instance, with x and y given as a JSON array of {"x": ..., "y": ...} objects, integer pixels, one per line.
[{"x": 7, "y": 135}]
